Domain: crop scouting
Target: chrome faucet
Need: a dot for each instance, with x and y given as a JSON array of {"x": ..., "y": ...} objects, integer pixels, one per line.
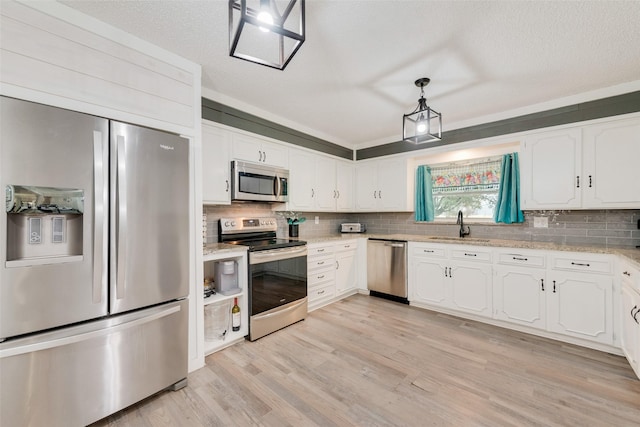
[{"x": 460, "y": 221}]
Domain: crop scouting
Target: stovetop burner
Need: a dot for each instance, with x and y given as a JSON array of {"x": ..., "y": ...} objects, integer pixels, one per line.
[{"x": 258, "y": 234}]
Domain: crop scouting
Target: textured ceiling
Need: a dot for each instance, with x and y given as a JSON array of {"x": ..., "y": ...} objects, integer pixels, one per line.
[{"x": 353, "y": 77}]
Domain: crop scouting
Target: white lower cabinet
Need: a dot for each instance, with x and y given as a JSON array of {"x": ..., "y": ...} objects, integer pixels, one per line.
[
  {"x": 332, "y": 271},
  {"x": 437, "y": 278},
  {"x": 564, "y": 293},
  {"x": 630, "y": 315}
]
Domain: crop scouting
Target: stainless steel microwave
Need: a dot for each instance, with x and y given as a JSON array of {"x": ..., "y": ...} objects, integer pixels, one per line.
[{"x": 259, "y": 183}]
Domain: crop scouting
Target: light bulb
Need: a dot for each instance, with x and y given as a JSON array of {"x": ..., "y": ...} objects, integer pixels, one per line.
[
  {"x": 265, "y": 17},
  {"x": 422, "y": 127}
]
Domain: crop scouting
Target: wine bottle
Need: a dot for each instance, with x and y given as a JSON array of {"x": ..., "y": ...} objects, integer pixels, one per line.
[{"x": 235, "y": 315}]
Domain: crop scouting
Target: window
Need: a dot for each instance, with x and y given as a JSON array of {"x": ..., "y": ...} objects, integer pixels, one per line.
[{"x": 471, "y": 187}]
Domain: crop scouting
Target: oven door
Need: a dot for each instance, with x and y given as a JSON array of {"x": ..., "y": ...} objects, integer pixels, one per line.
[{"x": 277, "y": 278}]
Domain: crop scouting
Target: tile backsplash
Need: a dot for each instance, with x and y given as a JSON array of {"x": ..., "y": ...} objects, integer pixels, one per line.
[{"x": 613, "y": 228}]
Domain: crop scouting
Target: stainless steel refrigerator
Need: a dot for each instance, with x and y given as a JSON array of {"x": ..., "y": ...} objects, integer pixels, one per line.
[{"x": 95, "y": 254}]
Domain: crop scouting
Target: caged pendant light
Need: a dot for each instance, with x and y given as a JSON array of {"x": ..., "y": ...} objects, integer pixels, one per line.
[
  {"x": 423, "y": 124},
  {"x": 267, "y": 32}
]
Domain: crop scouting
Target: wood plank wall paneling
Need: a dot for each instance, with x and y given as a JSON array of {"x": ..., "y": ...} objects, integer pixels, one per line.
[
  {"x": 365, "y": 361},
  {"x": 48, "y": 55}
]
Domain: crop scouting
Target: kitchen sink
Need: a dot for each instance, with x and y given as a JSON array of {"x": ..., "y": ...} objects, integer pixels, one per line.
[{"x": 459, "y": 239}]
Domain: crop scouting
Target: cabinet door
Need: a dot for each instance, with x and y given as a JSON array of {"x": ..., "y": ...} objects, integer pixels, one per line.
[
  {"x": 611, "y": 153},
  {"x": 366, "y": 186},
  {"x": 215, "y": 166},
  {"x": 427, "y": 281},
  {"x": 346, "y": 271},
  {"x": 580, "y": 305},
  {"x": 302, "y": 177},
  {"x": 247, "y": 148},
  {"x": 325, "y": 183},
  {"x": 630, "y": 328},
  {"x": 393, "y": 186},
  {"x": 275, "y": 154},
  {"x": 550, "y": 170},
  {"x": 471, "y": 288},
  {"x": 519, "y": 296},
  {"x": 345, "y": 181}
]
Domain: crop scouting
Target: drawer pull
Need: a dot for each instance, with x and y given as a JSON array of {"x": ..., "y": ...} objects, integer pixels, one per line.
[
  {"x": 320, "y": 250},
  {"x": 320, "y": 262},
  {"x": 321, "y": 277},
  {"x": 321, "y": 292},
  {"x": 520, "y": 259},
  {"x": 554, "y": 286},
  {"x": 347, "y": 246},
  {"x": 466, "y": 254},
  {"x": 542, "y": 284},
  {"x": 427, "y": 251},
  {"x": 626, "y": 273},
  {"x": 580, "y": 264}
]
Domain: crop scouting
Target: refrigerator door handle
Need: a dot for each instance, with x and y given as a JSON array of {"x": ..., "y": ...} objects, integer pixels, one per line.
[
  {"x": 101, "y": 228},
  {"x": 71, "y": 339},
  {"x": 122, "y": 219}
]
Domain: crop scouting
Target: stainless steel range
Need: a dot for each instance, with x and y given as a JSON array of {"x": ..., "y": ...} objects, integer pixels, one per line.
[{"x": 277, "y": 273}]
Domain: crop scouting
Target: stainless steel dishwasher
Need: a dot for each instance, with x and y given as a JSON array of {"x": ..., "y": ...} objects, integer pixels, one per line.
[{"x": 387, "y": 269}]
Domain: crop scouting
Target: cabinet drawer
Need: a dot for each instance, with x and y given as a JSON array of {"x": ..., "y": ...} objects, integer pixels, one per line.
[
  {"x": 318, "y": 293},
  {"x": 312, "y": 251},
  {"x": 521, "y": 258},
  {"x": 314, "y": 278},
  {"x": 582, "y": 263},
  {"x": 471, "y": 254},
  {"x": 351, "y": 245},
  {"x": 320, "y": 263},
  {"x": 429, "y": 251}
]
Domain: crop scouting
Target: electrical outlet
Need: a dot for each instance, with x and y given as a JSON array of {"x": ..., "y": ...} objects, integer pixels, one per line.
[
  {"x": 317, "y": 219},
  {"x": 540, "y": 222}
]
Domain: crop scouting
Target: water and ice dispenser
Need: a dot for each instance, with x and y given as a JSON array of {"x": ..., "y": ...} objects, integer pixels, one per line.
[
  {"x": 44, "y": 224},
  {"x": 226, "y": 277}
]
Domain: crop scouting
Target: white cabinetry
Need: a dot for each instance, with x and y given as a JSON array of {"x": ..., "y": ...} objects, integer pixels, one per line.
[
  {"x": 332, "y": 271},
  {"x": 346, "y": 267},
  {"x": 319, "y": 183},
  {"x": 216, "y": 309},
  {"x": 313, "y": 181},
  {"x": 611, "y": 152},
  {"x": 455, "y": 277},
  {"x": 580, "y": 298},
  {"x": 216, "y": 184},
  {"x": 630, "y": 315},
  {"x": 257, "y": 150},
  {"x": 519, "y": 293},
  {"x": 588, "y": 167},
  {"x": 551, "y": 169},
  {"x": 384, "y": 185}
]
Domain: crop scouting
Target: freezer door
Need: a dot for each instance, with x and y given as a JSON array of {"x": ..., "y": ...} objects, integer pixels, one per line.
[
  {"x": 58, "y": 275},
  {"x": 80, "y": 374},
  {"x": 149, "y": 217}
]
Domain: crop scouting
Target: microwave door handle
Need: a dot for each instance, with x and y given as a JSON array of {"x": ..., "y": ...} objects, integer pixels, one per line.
[{"x": 277, "y": 187}]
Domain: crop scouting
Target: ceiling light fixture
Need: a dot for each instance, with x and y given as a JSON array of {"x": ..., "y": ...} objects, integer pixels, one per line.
[
  {"x": 259, "y": 33},
  {"x": 423, "y": 124}
]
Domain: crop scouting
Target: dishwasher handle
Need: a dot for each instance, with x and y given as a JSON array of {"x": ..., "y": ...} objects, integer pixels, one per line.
[{"x": 395, "y": 245}]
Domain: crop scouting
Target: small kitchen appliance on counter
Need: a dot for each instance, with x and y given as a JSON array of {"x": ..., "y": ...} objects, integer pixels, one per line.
[{"x": 352, "y": 227}]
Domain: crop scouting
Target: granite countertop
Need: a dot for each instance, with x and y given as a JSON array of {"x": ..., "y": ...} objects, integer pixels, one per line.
[
  {"x": 630, "y": 254},
  {"x": 217, "y": 248}
]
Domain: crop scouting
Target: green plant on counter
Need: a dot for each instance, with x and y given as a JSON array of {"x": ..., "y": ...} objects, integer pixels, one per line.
[{"x": 294, "y": 218}]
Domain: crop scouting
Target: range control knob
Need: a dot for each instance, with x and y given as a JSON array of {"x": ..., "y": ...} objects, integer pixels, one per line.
[
  {"x": 227, "y": 223},
  {"x": 233, "y": 223}
]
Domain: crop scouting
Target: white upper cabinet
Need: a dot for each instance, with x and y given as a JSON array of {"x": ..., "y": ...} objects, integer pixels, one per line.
[
  {"x": 216, "y": 182},
  {"x": 319, "y": 183},
  {"x": 551, "y": 170},
  {"x": 384, "y": 185},
  {"x": 345, "y": 182},
  {"x": 611, "y": 158},
  {"x": 588, "y": 167},
  {"x": 257, "y": 150}
]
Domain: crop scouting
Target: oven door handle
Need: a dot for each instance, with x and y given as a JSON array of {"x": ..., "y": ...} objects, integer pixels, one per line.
[{"x": 260, "y": 257}]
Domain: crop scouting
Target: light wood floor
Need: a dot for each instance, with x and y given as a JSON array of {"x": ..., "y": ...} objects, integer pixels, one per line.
[{"x": 369, "y": 362}]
